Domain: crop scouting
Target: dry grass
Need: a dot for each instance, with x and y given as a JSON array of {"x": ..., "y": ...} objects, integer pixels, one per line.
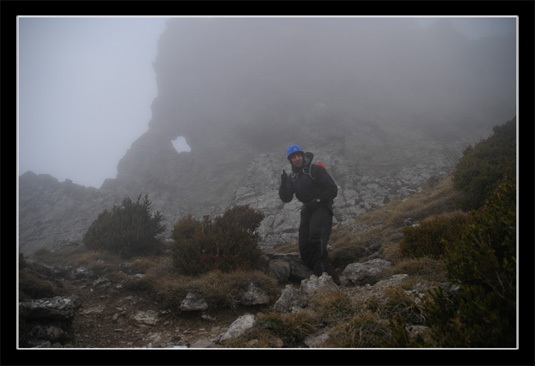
[
  {"x": 78, "y": 255},
  {"x": 431, "y": 201},
  {"x": 292, "y": 328},
  {"x": 292, "y": 247},
  {"x": 160, "y": 279},
  {"x": 384, "y": 226},
  {"x": 362, "y": 330},
  {"x": 65, "y": 256},
  {"x": 220, "y": 290},
  {"x": 333, "y": 306},
  {"x": 424, "y": 267},
  {"x": 399, "y": 303},
  {"x": 33, "y": 286}
]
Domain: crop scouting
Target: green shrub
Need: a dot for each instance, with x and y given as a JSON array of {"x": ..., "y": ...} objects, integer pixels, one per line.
[
  {"x": 482, "y": 313},
  {"x": 481, "y": 168},
  {"x": 429, "y": 237},
  {"x": 228, "y": 243},
  {"x": 128, "y": 230}
]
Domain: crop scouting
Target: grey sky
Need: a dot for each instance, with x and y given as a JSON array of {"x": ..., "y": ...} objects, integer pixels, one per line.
[
  {"x": 86, "y": 85},
  {"x": 85, "y": 91}
]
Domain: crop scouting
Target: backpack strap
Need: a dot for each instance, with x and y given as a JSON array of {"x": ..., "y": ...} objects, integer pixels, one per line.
[
  {"x": 308, "y": 170},
  {"x": 323, "y": 166}
]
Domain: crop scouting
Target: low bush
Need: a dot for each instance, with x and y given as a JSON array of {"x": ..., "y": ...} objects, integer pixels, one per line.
[
  {"x": 128, "y": 230},
  {"x": 428, "y": 238},
  {"x": 483, "y": 166},
  {"x": 482, "y": 262},
  {"x": 32, "y": 285},
  {"x": 227, "y": 243}
]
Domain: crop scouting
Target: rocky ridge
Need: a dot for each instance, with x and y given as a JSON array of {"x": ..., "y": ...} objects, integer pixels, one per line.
[{"x": 53, "y": 214}]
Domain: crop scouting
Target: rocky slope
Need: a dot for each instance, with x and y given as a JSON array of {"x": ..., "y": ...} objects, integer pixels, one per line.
[
  {"x": 98, "y": 311},
  {"x": 53, "y": 214}
]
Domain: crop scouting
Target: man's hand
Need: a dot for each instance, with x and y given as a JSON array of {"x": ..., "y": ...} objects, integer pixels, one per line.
[{"x": 284, "y": 176}]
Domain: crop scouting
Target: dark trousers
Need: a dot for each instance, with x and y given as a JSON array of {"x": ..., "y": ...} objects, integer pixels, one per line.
[{"x": 314, "y": 233}]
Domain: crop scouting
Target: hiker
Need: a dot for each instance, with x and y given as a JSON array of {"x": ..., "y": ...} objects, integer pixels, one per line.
[{"x": 316, "y": 189}]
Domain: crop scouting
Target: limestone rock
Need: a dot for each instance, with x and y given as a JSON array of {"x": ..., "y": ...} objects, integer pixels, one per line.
[
  {"x": 315, "y": 284},
  {"x": 239, "y": 326},
  {"x": 59, "y": 307},
  {"x": 365, "y": 273},
  {"x": 279, "y": 269},
  {"x": 291, "y": 300},
  {"x": 193, "y": 302},
  {"x": 203, "y": 343},
  {"x": 149, "y": 317},
  {"x": 83, "y": 272},
  {"x": 288, "y": 267},
  {"x": 316, "y": 340},
  {"x": 254, "y": 296}
]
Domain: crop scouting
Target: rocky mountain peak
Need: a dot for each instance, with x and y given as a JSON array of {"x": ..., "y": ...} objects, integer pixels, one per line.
[{"x": 378, "y": 114}]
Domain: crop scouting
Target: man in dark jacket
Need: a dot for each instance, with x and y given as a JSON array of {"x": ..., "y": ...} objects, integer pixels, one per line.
[{"x": 312, "y": 185}]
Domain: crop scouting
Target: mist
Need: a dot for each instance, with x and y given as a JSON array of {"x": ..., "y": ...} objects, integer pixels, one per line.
[
  {"x": 85, "y": 91},
  {"x": 88, "y": 89}
]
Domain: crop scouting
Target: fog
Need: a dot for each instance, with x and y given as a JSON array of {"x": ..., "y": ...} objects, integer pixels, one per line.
[
  {"x": 86, "y": 85},
  {"x": 85, "y": 91}
]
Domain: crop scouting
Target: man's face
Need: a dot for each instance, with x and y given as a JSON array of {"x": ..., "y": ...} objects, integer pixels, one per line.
[{"x": 297, "y": 160}]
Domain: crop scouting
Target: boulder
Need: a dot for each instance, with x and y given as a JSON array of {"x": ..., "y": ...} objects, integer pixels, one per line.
[
  {"x": 364, "y": 273},
  {"x": 315, "y": 284},
  {"x": 291, "y": 300},
  {"x": 279, "y": 269},
  {"x": 316, "y": 340},
  {"x": 254, "y": 296},
  {"x": 288, "y": 267},
  {"x": 295, "y": 299},
  {"x": 239, "y": 326},
  {"x": 59, "y": 307},
  {"x": 193, "y": 302}
]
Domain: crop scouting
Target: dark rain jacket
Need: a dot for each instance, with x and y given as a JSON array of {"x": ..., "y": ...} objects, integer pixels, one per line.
[{"x": 311, "y": 184}]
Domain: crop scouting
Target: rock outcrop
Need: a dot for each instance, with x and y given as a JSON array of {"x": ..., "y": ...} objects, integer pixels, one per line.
[
  {"x": 59, "y": 307},
  {"x": 49, "y": 320}
]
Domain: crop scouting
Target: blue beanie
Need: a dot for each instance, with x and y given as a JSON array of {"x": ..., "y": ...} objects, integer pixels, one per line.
[{"x": 293, "y": 149}]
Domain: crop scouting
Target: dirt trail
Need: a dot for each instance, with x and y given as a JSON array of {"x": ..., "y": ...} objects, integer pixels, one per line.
[{"x": 114, "y": 318}]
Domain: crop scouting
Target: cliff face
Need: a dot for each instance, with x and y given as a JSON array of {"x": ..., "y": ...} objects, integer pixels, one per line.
[{"x": 385, "y": 117}]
